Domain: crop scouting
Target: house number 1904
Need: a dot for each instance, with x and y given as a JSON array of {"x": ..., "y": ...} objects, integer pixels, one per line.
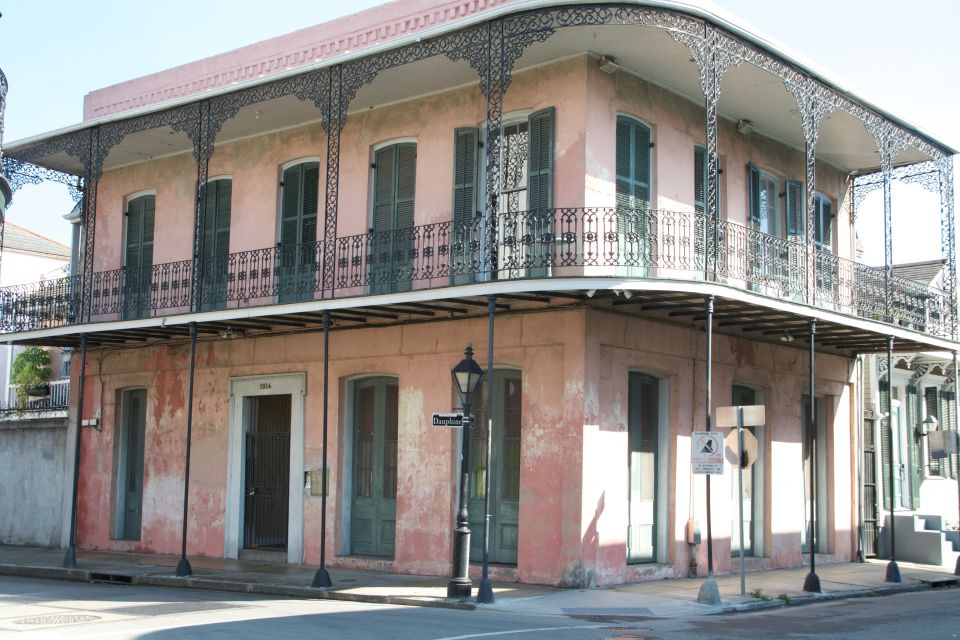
[{"x": 266, "y": 385}]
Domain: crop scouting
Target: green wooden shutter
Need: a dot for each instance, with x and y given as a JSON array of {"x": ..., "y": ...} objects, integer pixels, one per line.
[
  {"x": 633, "y": 163},
  {"x": 754, "y": 195},
  {"x": 931, "y": 400},
  {"x": 699, "y": 179},
  {"x": 949, "y": 424},
  {"x": 795, "y": 224},
  {"x": 222, "y": 227},
  {"x": 406, "y": 184},
  {"x": 146, "y": 252},
  {"x": 290, "y": 208},
  {"x": 914, "y": 466},
  {"x": 383, "y": 193},
  {"x": 885, "y": 443},
  {"x": 464, "y": 175},
  {"x": 134, "y": 234},
  {"x": 311, "y": 194},
  {"x": 540, "y": 160},
  {"x": 824, "y": 223}
]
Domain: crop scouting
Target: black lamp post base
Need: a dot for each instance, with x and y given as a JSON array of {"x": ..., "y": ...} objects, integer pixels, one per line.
[
  {"x": 321, "y": 579},
  {"x": 70, "y": 559},
  {"x": 459, "y": 589},
  {"x": 184, "y": 569},
  {"x": 812, "y": 583},
  {"x": 956, "y": 571},
  {"x": 893, "y": 572},
  {"x": 485, "y": 592}
]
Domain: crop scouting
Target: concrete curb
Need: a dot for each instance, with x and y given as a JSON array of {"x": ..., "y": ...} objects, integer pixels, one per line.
[
  {"x": 212, "y": 584},
  {"x": 847, "y": 594}
]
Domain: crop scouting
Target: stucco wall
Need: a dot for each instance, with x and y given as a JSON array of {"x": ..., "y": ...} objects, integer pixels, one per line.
[
  {"x": 573, "y": 518},
  {"x": 587, "y": 102},
  {"x": 31, "y": 481},
  {"x": 420, "y": 357}
]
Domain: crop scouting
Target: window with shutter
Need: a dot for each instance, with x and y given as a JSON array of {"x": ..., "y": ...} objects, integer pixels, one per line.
[
  {"x": 633, "y": 193},
  {"x": 138, "y": 256},
  {"x": 465, "y": 233},
  {"x": 795, "y": 224},
  {"x": 914, "y": 468},
  {"x": 214, "y": 261},
  {"x": 885, "y": 443},
  {"x": 392, "y": 241},
  {"x": 823, "y": 223},
  {"x": 297, "y": 254},
  {"x": 699, "y": 179},
  {"x": 931, "y": 404},
  {"x": 537, "y": 231}
]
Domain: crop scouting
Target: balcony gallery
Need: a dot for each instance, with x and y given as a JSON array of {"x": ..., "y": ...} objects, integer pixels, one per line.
[{"x": 411, "y": 186}]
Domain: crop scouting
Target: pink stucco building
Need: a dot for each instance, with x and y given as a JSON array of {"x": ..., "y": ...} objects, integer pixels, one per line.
[{"x": 567, "y": 181}]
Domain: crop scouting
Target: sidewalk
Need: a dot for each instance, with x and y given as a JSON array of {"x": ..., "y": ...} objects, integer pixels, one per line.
[{"x": 658, "y": 598}]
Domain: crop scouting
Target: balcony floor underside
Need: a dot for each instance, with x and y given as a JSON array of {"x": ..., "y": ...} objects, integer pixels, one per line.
[{"x": 737, "y": 313}]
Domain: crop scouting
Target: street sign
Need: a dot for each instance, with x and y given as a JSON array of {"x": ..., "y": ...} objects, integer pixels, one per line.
[
  {"x": 751, "y": 448},
  {"x": 754, "y": 415},
  {"x": 706, "y": 454},
  {"x": 451, "y": 420}
]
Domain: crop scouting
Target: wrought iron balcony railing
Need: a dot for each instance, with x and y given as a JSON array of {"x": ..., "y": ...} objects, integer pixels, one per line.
[
  {"x": 56, "y": 403},
  {"x": 589, "y": 242}
]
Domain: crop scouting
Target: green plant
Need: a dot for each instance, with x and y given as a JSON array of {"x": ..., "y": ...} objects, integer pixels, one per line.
[
  {"x": 784, "y": 597},
  {"x": 30, "y": 371},
  {"x": 758, "y": 594}
]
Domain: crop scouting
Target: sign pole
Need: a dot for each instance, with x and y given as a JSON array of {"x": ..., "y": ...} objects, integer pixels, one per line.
[{"x": 743, "y": 570}]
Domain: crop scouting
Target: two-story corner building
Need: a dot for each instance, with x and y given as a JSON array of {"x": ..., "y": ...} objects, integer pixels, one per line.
[{"x": 635, "y": 212}]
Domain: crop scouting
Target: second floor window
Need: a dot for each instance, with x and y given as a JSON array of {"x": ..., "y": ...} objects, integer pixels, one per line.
[
  {"x": 216, "y": 243},
  {"x": 823, "y": 222},
  {"x": 138, "y": 255},
  {"x": 394, "y": 193},
  {"x": 297, "y": 257},
  {"x": 633, "y": 164}
]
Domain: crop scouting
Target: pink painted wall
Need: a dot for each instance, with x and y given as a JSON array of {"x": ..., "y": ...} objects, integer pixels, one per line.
[
  {"x": 420, "y": 357},
  {"x": 573, "y": 499}
]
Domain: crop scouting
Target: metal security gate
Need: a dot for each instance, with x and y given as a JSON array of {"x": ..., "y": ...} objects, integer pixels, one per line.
[
  {"x": 267, "y": 473},
  {"x": 870, "y": 508}
]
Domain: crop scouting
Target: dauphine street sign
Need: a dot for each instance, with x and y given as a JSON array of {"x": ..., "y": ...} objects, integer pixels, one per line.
[{"x": 449, "y": 420}]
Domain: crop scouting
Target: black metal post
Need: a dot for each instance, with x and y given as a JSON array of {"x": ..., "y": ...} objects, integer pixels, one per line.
[
  {"x": 709, "y": 592},
  {"x": 485, "y": 590},
  {"x": 183, "y": 567},
  {"x": 459, "y": 585},
  {"x": 70, "y": 557},
  {"x": 812, "y": 582},
  {"x": 322, "y": 577},
  {"x": 893, "y": 571},
  {"x": 709, "y": 425}
]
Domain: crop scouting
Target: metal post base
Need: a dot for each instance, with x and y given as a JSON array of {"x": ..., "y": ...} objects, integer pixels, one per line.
[
  {"x": 812, "y": 583},
  {"x": 459, "y": 589},
  {"x": 184, "y": 569},
  {"x": 70, "y": 559},
  {"x": 956, "y": 571},
  {"x": 321, "y": 579},
  {"x": 709, "y": 592},
  {"x": 893, "y": 572},
  {"x": 485, "y": 592}
]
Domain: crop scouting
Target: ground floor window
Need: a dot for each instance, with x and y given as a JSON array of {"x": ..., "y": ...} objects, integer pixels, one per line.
[{"x": 643, "y": 430}]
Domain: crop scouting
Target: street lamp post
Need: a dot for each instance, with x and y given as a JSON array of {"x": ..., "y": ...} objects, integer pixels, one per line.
[{"x": 466, "y": 377}]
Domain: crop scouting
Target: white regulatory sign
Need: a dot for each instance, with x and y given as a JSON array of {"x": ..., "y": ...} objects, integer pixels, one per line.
[{"x": 706, "y": 454}]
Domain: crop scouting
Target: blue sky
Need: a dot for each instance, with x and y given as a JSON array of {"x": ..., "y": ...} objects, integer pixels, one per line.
[{"x": 904, "y": 57}]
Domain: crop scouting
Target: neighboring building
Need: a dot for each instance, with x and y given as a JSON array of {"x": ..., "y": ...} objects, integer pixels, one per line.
[
  {"x": 921, "y": 400},
  {"x": 33, "y": 438},
  {"x": 397, "y": 168}
]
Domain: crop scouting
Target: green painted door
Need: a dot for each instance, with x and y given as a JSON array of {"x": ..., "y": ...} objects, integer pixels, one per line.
[
  {"x": 373, "y": 506},
  {"x": 138, "y": 257},
  {"x": 297, "y": 256},
  {"x": 504, "y": 469},
  {"x": 392, "y": 240},
  {"x": 133, "y": 409},
  {"x": 643, "y": 430},
  {"x": 215, "y": 257}
]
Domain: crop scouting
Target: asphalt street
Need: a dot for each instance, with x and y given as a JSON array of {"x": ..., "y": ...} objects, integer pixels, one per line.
[{"x": 32, "y": 608}]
